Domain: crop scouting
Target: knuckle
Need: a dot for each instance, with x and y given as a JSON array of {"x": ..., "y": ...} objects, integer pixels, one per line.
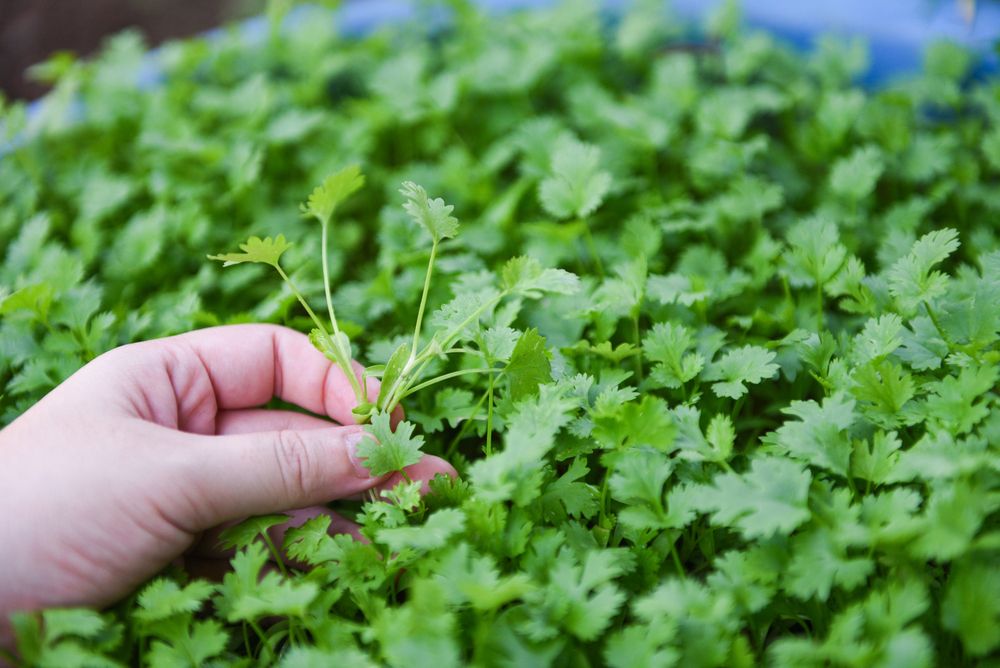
[{"x": 298, "y": 467}]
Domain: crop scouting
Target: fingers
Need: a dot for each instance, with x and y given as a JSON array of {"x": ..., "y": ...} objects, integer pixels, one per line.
[
  {"x": 247, "y": 365},
  {"x": 231, "y": 477},
  {"x": 250, "y": 420}
]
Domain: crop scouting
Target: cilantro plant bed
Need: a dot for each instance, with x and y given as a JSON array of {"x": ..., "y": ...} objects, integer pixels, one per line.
[{"x": 709, "y": 333}]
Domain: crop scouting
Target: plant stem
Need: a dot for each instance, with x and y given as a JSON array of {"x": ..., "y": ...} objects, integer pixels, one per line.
[
  {"x": 592, "y": 247},
  {"x": 819, "y": 307},
  {"x": 274, "y": 553},
  {"x": 637, "y": 342},
  {"x": 489, "y": 416},
  {"x": 302, "y": 300},
  {"x": 438, "y": 379},
  {"x": 423, "y": 301},
  {"x": 344, "y": 364},
  {"x": 263, "y": 639},
  {"x": 465, "y": 426},
  {"x": 326, "y": 279},
  {"x": 677, "y": 560},
  {"x": 937, "y": 325}
]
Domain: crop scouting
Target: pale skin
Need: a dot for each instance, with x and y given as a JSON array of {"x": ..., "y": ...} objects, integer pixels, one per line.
[{"x": 139, "y": 457}]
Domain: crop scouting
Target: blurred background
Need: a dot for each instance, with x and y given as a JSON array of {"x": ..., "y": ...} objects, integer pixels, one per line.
[{"x": 32, "y": 30}]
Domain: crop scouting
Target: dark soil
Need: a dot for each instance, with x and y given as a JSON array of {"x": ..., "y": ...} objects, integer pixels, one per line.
[{"x": 31, "y": 30}]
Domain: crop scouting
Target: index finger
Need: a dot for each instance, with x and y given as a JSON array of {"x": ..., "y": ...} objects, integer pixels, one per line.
[{"x": 247, "y": 365}]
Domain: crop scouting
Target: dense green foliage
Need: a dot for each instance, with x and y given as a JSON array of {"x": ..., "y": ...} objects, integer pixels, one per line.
[{"x": 761, "y": 425}]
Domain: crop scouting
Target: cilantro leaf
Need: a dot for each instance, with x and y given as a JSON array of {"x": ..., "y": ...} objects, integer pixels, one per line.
[
  {"x": 577, "y": 185},
  {"x": 525, "y": 275},
  {"x": 768, "y": 499},
  {"x": 431, "y": 214},
  {"x": 529, "y": 365},
  {"x": 387, "y": 450},
  {"x": 332, "y": 192},
  {"x": 256, "y": 250},
  {"x": 912, "y": 279},
  {"x": 740, "y": 367}
]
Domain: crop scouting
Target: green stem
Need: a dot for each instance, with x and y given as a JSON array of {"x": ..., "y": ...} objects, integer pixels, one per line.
[
  {"x": 592, "y": 247},
  {"x": 438, "y": 379},
  {"x": 677, "y": 560},
  {"x": 423, "y": 301},
  {"x": 937, "y": 325},
  {"x": 263, "y": 639},
  {"x": 472, "y": 318},
  {"x": 246, "y": 638},
  {"x": 465, "y": 426},
  {"x": 302, "y": 300},
  {"x": 274, "y": 553},
  {"x": 344, "y": 364},
  {"x": 819, "y": 307},
  {"x": 637, "y": 342},
  {"x": 326, "y": 279},
  {"x": 489, "y": 416}
]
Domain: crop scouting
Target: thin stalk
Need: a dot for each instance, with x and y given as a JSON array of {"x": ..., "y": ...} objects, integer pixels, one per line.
[
  {"x": 345, "y": 364},
  {"x": 438, "y": 379},
  {"x": 423, "y": 301},
  {"x": 819, "y": 306},
  {"x": 592, "y": 247},
  {"x": 302, "y": 300},
  {"x": 637, "y": 342},
  {"x": 246, "y": 638},
  {"x": 489, "y": 417},
  {"x": 421, "y": 361},
  {"x": 677, "y": 560},
  {"x": 326, "y": 279},
  {"x": 263, "y": 639},
  {"x": 937, "y": 325},
  {"x": 465, "y": 426},
  {"x": 274, "y": 553}
]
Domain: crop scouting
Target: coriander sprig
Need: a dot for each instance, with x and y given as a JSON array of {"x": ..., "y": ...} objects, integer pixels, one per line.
[{"x": 404, "y": 373}]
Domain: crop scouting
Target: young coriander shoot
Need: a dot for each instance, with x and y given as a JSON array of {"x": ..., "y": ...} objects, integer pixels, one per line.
[{"x": 404, "y": 373}]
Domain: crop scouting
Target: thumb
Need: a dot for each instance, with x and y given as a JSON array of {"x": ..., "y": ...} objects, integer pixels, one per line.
[{"x": 231, "y": 477}]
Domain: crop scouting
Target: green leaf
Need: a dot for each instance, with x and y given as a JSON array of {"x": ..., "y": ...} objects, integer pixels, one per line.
[
  {"x": 163, "y": 598},
  {"x": 529, "y": 365},
  {"x": 311, "y": 543},
  {"x": 246, "y": 596},
  {"x": 248, "y": 531},
  {"x": 821, "y": 435},
  {"x": 576, "y": 185},
  {"x": 327, "y": 196},
  {"x": 667, "y": 344},
  {"x": 971, "y": 607},
  {"x": 394, "y": 373},
  {"x": 740, "y": 367},
  {"x": 525, "y": 276},
  {"x": 879, "y": 338},
  {"x": 876, "y": 462},
  {"x": 815, "y": 254},
  {"x": 435, "y": 533},
  {"x": 855, "y": 176},
  {"x": 431, "y": 214},
  {"x": 715, "y": 445},
  {"x": 768, "y": 499},
  {"x": 79, "y": 623},
  {"x": 256, "y": 250},
  {"x": 911, "y": 279},
  {"x": 386, "y": 450}
]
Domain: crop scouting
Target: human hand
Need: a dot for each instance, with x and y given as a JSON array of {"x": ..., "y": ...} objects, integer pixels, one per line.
[{"x": 120, "y": 470}]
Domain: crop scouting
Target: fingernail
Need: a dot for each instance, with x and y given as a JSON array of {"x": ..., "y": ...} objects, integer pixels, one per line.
[{"x": 351, "y": 442}]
